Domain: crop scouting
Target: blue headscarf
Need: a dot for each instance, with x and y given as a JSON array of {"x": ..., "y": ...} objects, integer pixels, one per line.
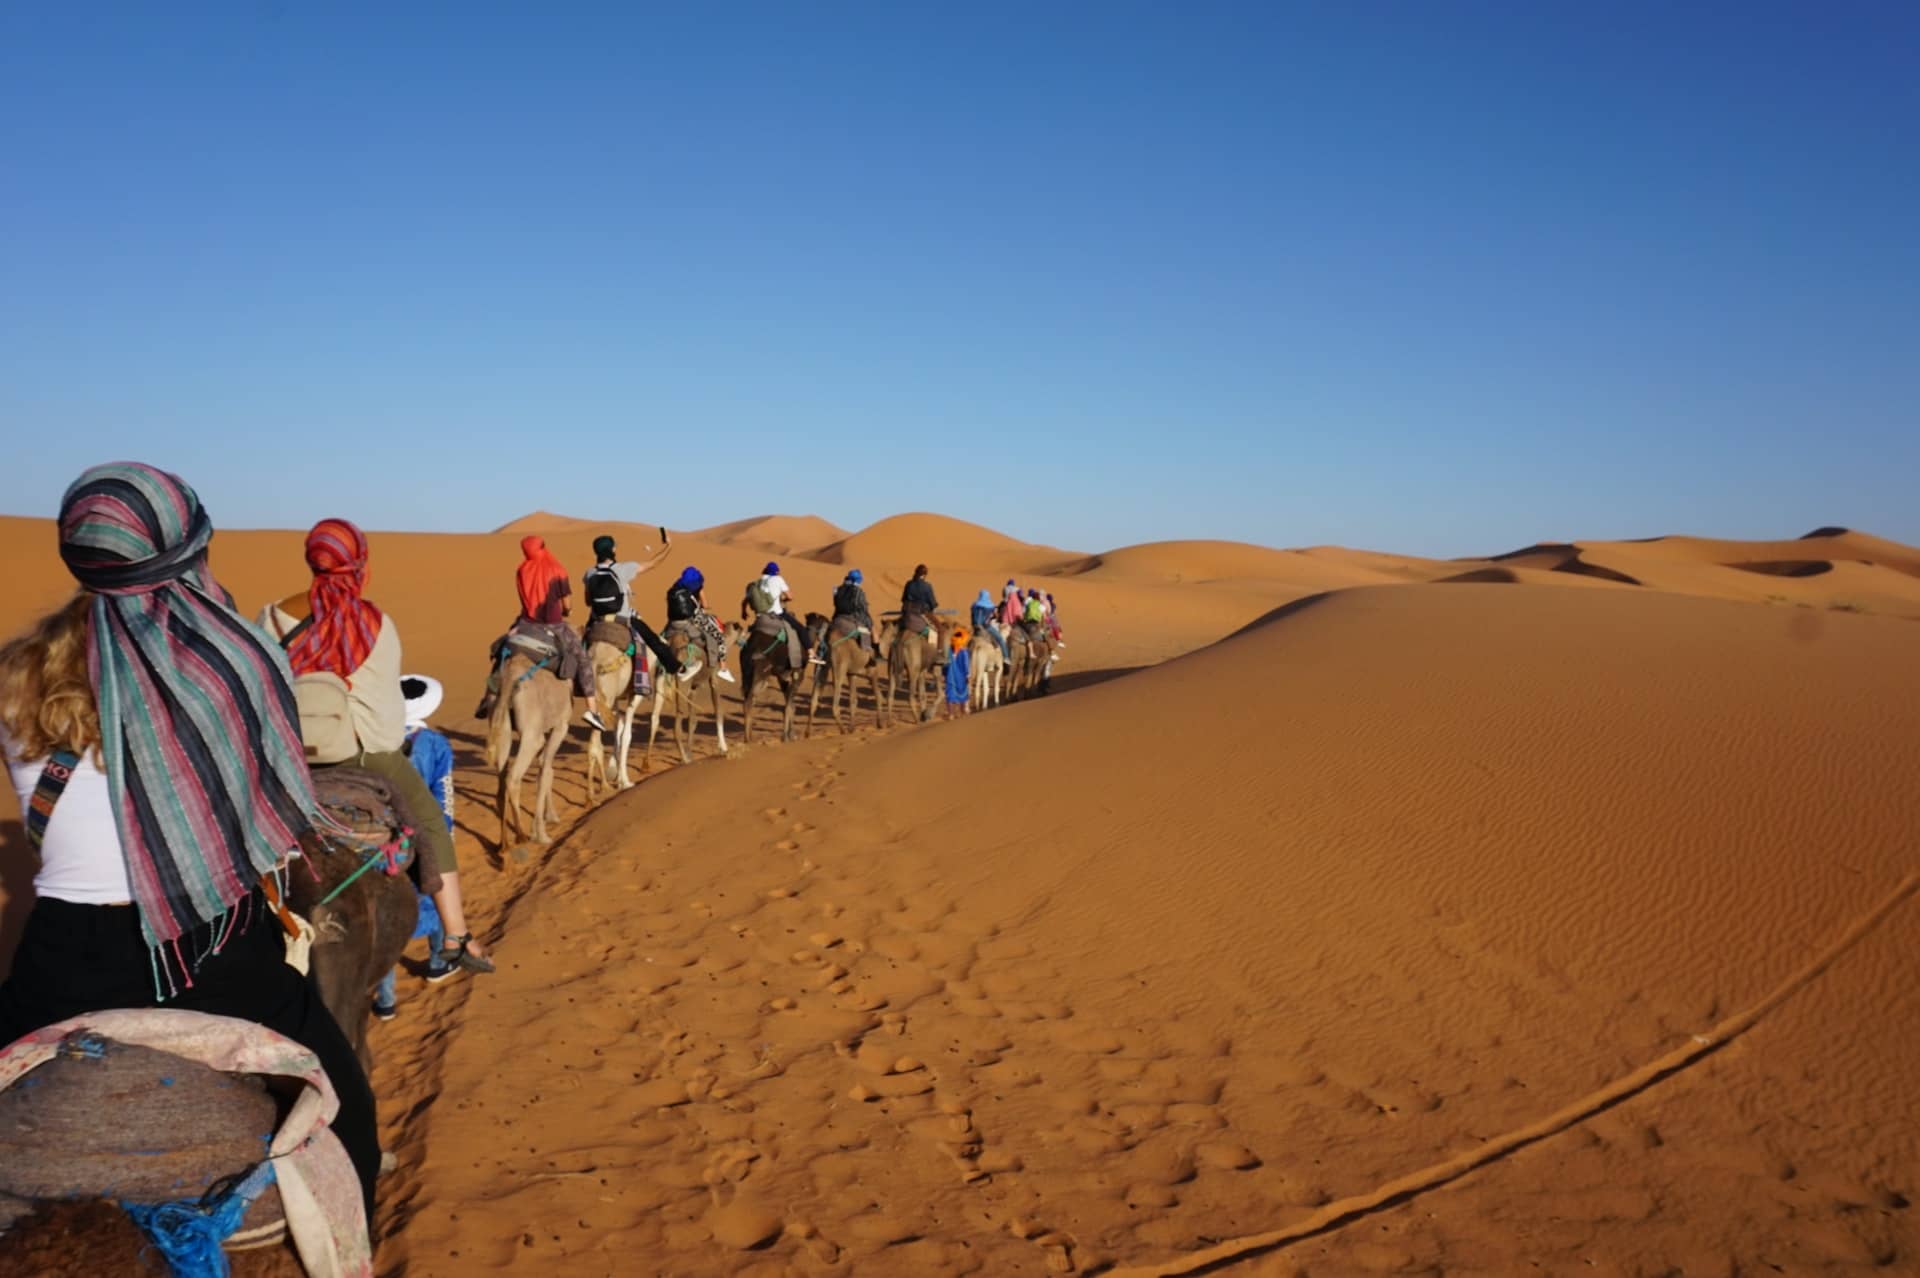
[{"x": 690, "y": 578}]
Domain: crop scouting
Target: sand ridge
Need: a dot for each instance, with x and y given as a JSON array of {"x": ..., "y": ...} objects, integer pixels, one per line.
[{"x": 1358, "y": 876}]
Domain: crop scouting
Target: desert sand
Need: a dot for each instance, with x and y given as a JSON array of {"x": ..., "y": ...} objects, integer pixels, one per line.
[{"x": 1546, "y": 912}]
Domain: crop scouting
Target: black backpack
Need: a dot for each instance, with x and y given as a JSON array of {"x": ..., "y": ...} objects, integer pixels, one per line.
[
  {"x": 681, "y": 605},
  {"x": 604, "y": 595},
  {"x": 849, "y": 600}
]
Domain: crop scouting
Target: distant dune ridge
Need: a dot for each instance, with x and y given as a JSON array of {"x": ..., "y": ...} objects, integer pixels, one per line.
[{"x": 1346, "y": 877}]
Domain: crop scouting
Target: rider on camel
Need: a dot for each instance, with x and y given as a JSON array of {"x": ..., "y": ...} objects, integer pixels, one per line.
[
  {"x": 850, "y": 600},
  {"x": 608, "y": 588},
  {"x": 545, "y": 599},
  {"x": 687, "y": 603},
  {"x": 984, "y": 622}
]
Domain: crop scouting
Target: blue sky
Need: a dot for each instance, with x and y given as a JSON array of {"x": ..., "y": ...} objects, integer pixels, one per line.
[{"x": 1432, "y": 277}]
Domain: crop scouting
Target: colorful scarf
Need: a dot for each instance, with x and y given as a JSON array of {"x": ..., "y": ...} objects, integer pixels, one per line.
[
  {"x": 199, "y": 732},
  {"x": 536, "y": 576},
  {"x": 344, "y": 625}
]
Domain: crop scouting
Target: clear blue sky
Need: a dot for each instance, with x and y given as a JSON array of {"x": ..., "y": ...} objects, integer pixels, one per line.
[{"x": 1435, "y": 277}]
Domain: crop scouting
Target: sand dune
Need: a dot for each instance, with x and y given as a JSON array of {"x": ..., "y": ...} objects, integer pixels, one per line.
[
  {"x": 942, "y": 541},
  {"x": 1837, "y": 569},
  {"x": 779, "y": 534},
  {"x": 1098, "y": 980}
]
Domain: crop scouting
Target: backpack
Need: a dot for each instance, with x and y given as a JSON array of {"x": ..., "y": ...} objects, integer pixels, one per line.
[
  {"x": 760, "y": 597},
  {"x": 847, "y": 601},
  {"x": 681, "y": 605},
  {"x": 326, "y": 711},
  {"x": 604, "y": 593}
]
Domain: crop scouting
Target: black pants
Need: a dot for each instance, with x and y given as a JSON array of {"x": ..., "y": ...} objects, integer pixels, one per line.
[
  {"x": 658, "y": 646},
  {"x": 75, "y": 959}
]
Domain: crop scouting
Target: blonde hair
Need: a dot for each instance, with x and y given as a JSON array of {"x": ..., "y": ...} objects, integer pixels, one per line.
[{"x": 46, "y": 696}]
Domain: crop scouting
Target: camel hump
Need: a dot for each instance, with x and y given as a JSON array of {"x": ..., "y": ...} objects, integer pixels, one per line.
[{"x": 107, "y": 1119}]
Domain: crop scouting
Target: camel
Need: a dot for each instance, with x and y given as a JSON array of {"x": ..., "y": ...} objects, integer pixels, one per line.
[
  {"x": 847, "y": 658},
  {"x": 989, "y": 669},
  {"x": 914, "y": 656},
  {"x": 767, "y": 657},
  {"x": 696, "y": 671},
  {"x": 1029, "y": 653},
  {"x": 359, "y": 934},
  {"x": 534, "y": 702},
  {"x": 613, "y": 680}
]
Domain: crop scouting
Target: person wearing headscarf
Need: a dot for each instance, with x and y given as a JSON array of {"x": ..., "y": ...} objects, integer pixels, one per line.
[
  {"x": 959, "y": 675},
  {"x": 850, "y": 600},
  {"x": 1010, "y": 604},
  {"x": 983, "y": 614},
  {"x": 332, "y": 629},
  {"x": 545, "y": 599},
  {"x": 687, "y": 603},
  {"x": 152, "y": 737}
]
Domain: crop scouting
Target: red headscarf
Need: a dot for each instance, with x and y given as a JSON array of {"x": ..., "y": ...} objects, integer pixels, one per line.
[
  {"x": 536, "y": 577},
  {"x": 344, "y": 625}
]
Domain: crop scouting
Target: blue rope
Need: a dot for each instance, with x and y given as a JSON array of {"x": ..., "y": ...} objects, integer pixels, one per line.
[{"x": 189, "y": 1233}]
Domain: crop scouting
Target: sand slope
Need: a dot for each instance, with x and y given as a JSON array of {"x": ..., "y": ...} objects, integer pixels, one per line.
[
  {"x": 1165, "y": 986},
  {"x": 1183, "y": 955},
  {"x": 942, "y": 541},
  {"x": 778, "y": 534}
]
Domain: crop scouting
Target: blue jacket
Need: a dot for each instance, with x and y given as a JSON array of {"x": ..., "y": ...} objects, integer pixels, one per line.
[
  {"x": 432, "y": 758},
  {"x": 982, "y": 614},
  {"x": 959, "y": 666}
]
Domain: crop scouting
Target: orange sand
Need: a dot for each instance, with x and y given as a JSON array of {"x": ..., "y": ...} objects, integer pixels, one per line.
[{"x": 1386, "y": 873}]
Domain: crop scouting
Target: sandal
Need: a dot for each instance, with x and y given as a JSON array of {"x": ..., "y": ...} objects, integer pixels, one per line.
[{"x": 455, "y": 954}]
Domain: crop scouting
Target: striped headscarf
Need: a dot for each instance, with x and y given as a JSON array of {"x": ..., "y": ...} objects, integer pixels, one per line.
[
  {"x": 198, "y": 728},
  {"x": 536, "y": 575},
  {"x": 344, "y": 625}
]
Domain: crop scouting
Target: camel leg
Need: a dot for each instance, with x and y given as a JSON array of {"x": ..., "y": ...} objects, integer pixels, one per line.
[
  {"x": 596, "y": 767},
  {"x": 813, "y": 704},
  {"x": 748, "y": 689},
  {"x": 517, "y": 773},
  {"x": 623, "y": 738},
  {"x": 543, "y": 798},
  {"x": 653, "y": 728},
  {"x": 719, "y": 720},
  {"x": 508, "y": 807},
  {"x": 793, "y": 695}
]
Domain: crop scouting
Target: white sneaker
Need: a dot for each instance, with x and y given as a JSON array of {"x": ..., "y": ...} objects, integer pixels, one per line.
[
  {"x": 594, "y": 720},
  {"x": 725, "y": 674}
]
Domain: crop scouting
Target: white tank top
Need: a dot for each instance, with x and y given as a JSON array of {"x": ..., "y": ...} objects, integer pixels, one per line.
[{"x": 80, "y": 861}]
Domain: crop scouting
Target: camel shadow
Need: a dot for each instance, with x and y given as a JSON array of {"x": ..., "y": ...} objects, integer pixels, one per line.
[{"x": 18, "y": 865}]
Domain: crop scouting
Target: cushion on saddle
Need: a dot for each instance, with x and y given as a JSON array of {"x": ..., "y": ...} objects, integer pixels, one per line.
[
  {"x": 106, "y": 1119},
  {"x": 543, "y": 645},
  {"x": 615, "y": 634},
  {"x": 770, "y": 625},
  {"x": 369, "y": 810}
]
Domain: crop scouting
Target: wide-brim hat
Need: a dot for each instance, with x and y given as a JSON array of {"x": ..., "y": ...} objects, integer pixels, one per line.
[{"x": 423, "y": 694}]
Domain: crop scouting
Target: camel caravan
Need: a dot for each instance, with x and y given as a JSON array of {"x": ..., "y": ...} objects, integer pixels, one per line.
[{"x": 242, "y": 824}]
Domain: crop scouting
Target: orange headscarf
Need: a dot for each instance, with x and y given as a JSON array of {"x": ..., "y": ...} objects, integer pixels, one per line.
[
  {"x": 344, "y": 626},
  {"x": 536, "y": 576},
  {"x": 960, "y": 637}
]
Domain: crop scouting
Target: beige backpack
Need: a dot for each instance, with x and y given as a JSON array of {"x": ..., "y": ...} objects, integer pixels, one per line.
[{"x": 326, "y": 711}]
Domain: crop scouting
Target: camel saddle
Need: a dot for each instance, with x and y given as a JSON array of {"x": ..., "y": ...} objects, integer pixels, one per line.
[
  {"x": 845, "y": 627},
  {"x": 372, "y": 812},
  {"x": 611, "y": 631},
  {"x": 915, "y": 622},
  {"x": 536, "y": 641},
  {"x": 106, "y": 1119}
]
